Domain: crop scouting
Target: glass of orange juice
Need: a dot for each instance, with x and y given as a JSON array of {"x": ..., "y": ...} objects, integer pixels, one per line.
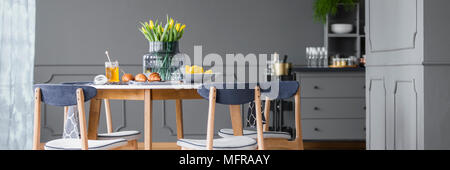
[{"x": 112, "y": 71}]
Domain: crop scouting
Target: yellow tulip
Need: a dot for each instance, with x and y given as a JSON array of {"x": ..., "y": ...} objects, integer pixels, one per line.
[
  {"x": 143, "y": 30},
  {"x": 182, "y": 27},
  {"x": 152, "y": 25},
  {"x": 171, "y": 23},
  {"x": 162, "y": 29},
  {"x": 177, "y": 27}
]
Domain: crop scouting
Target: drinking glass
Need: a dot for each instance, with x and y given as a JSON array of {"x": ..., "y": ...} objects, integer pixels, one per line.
[
  {"x": 325, "y": 57},
  {"x": 112, "y": 71}
]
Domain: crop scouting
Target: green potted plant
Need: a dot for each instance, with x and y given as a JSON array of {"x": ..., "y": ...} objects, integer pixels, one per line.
[{"x": 323, "y": 8}]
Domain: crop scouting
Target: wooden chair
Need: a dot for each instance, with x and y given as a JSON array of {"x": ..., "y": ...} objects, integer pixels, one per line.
[
  {"x": 62, "y": 96},
  {"x": 227, "y": 97},
  {"x": 284, "y": 90},
  {"x": 131, "y": 136}
]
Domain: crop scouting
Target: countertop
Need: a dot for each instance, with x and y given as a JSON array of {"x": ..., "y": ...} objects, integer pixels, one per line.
[{"x": 318, "y": 69}]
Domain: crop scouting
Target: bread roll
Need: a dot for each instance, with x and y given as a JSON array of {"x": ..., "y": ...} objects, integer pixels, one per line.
[
  {"x": 127, "y": 77},
  {"x": 140, "y": 78},
  {"x": 154, "y": 77}
]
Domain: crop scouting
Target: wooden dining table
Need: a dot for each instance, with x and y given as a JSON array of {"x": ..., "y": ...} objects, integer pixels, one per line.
[{"x": 149, "y": 93}]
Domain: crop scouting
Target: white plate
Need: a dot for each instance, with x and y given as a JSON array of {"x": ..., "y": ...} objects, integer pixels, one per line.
[{"x": 154, "y": 83}]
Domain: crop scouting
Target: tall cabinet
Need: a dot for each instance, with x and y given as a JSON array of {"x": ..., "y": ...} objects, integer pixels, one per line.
[{"x": 408, "y": 74}]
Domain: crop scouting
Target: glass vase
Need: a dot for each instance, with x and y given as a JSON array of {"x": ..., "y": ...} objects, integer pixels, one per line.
[{"x": 164, "y": 58}]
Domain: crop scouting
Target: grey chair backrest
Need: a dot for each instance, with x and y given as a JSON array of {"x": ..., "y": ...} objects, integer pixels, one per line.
[{"x": 64, "y": 95}]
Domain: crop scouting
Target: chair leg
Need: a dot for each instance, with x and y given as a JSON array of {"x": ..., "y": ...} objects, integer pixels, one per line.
[
  {"x": 298, "y": 122},
  {"x": 267, "y": 114},
  {"x": 259, "y": 125},
  {"x": 66, "y": 113},
  {"x": 82, "y": 117},
  {"x": 37, "y": 120},
  {"x": 212, "y": 108}
]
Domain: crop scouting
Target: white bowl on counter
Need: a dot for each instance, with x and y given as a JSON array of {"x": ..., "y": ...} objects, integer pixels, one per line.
[{"x": 342, "y": 28}]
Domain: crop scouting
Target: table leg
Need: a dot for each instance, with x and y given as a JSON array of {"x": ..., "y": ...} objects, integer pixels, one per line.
[
  {"x": 236, "y": 119},
  {"x": 148, "y": 120},
  {"x": 108, "y": 116},
  {"x": 94, "y": 117},
  {"x": 179, "y": 111}
]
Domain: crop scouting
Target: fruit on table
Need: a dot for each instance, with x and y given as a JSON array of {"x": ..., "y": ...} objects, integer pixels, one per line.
[
  {"x": 127, "y": 77},
  {"x": 154, "y": 77},
  {"x": 141, "y": 78},
  {"x": 196, "y": 70},
  {"x": 187, "y": 69}
]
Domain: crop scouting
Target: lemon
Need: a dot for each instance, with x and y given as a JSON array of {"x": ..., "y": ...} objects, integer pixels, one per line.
[
  {"x": 196, "y": 70},
  {"x": 209, "y": 72},
  {"x": 188, "y": 69}
]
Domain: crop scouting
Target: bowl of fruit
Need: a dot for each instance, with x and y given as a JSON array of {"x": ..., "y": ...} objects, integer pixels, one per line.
[{"x": 197, "y": 74}]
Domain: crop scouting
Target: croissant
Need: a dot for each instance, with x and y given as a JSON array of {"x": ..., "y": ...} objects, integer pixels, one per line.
[
  {"x": 154, "y": 77},
  {"x": 140, "y": 78}
]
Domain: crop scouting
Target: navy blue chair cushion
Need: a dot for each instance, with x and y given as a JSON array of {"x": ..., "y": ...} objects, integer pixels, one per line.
[
  {"x": 279, "y": 90},
  {"x": 230, "y": 94},
  {"x": 243, "y": 93},
  {"x": 64, "y": 95}
]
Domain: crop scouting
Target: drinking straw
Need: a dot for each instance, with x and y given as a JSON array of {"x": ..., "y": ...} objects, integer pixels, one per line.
[{"x": 107, "y": 55}]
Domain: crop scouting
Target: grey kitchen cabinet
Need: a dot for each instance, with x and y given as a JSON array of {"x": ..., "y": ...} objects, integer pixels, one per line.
[
  {"x": 408, "y": 63},
  {"x": 332, "y": 106},
  {"x": 333, "y": 129},
  {"x": 319, "y": 85}
]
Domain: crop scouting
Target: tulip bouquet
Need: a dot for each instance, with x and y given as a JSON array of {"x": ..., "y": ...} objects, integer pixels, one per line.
[
  {"x": 170, "y": 32},
  {"x": 163, "y": 47}
]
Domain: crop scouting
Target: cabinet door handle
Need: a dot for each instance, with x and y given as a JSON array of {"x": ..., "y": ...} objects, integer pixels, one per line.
[
  {"x": 365, "y": 108},
  {"x": 316, "y": 87},
  {"x": 316, "y": 108},
  {"x": 316, "y": 129}
]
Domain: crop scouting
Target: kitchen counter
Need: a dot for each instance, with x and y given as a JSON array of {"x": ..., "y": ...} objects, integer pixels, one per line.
[{"x": 314, "y": 69}]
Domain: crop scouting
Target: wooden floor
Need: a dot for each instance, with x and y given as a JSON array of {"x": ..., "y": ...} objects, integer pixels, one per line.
[{"x": 308, "y": 146}]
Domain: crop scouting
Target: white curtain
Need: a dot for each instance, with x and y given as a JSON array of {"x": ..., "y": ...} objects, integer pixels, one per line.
[{"x": 17, "y": 35}]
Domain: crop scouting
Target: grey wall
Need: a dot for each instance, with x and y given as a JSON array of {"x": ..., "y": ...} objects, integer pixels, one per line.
[
  {"x": 72, "y": 35},
  {"x": 78, "y": 32},
  {"x": 437, "y": 68}
]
